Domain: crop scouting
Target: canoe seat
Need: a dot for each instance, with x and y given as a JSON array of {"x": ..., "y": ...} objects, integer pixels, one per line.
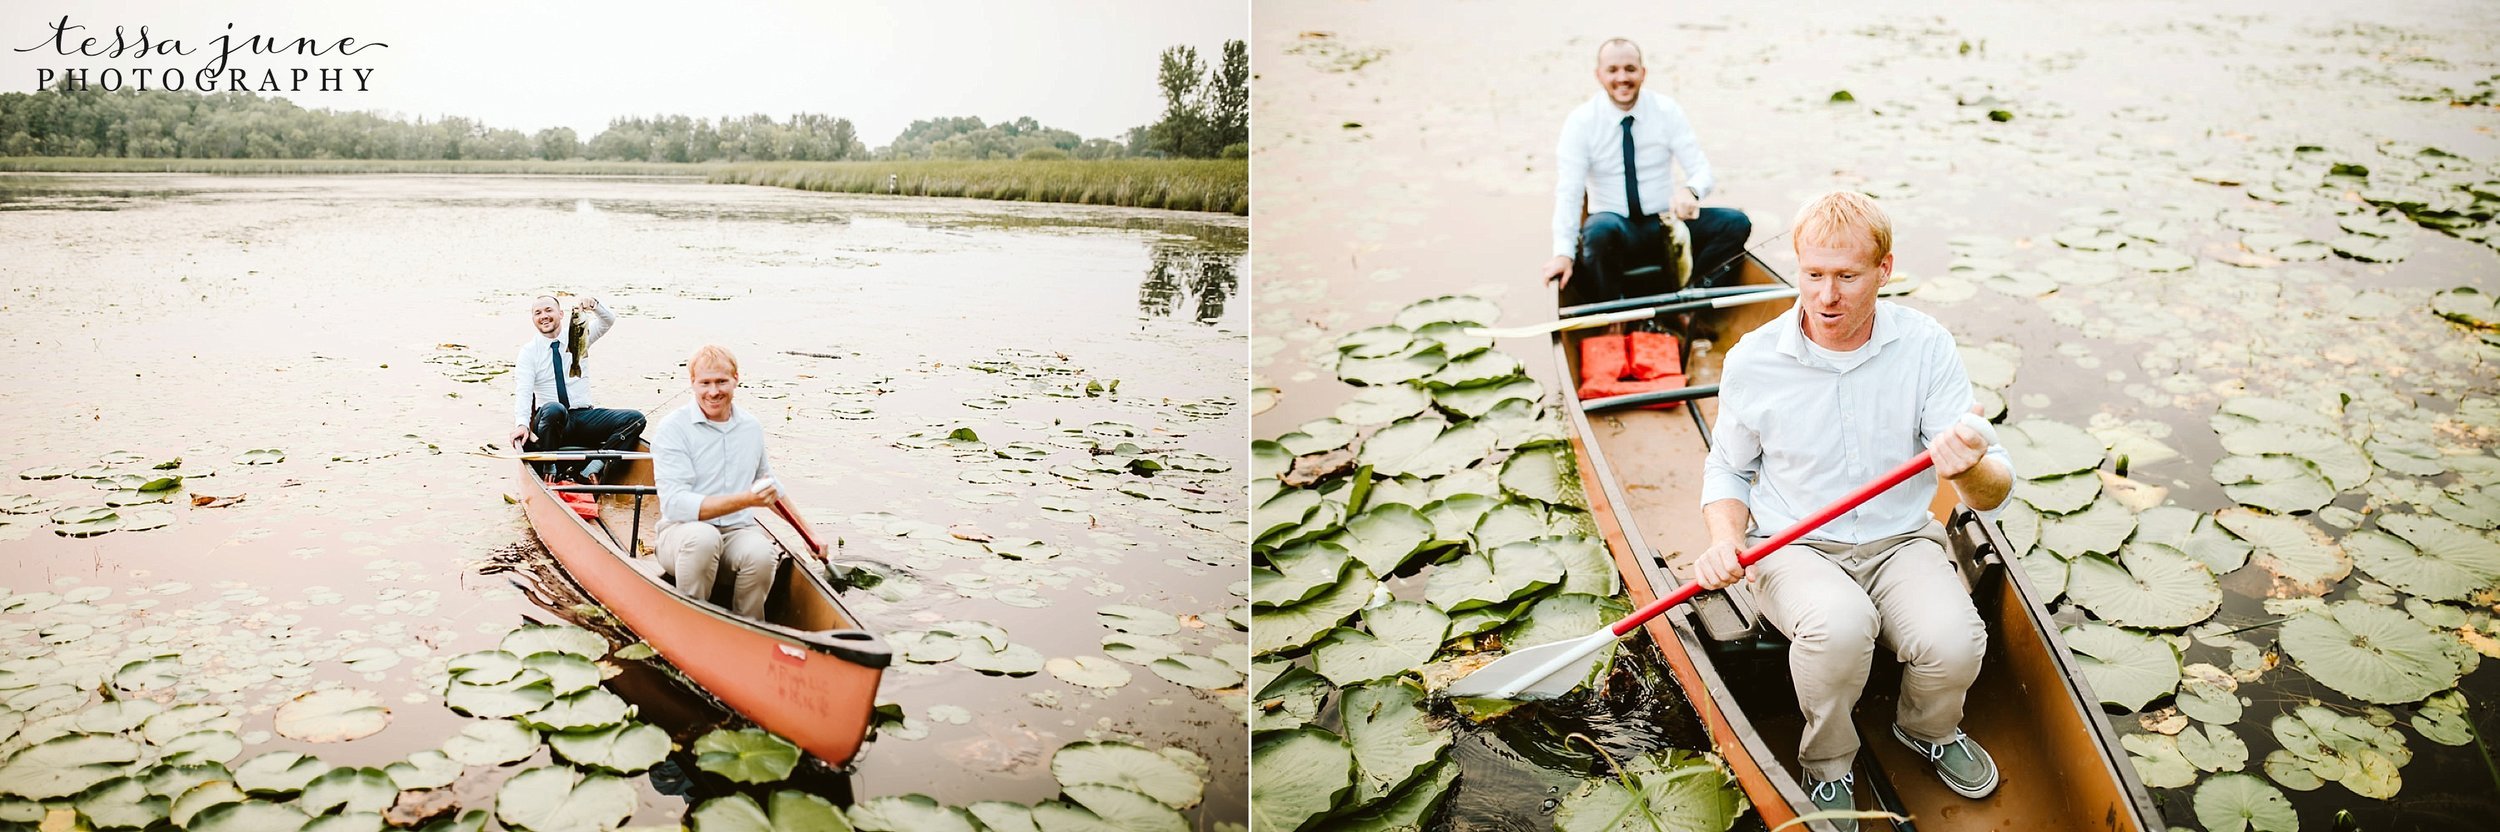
[{"x": 1729, "y": 616}]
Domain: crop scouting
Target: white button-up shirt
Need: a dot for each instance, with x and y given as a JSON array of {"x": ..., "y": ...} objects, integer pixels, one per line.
[
  {"x": 693, "y": 457},
  {"x": 534, "y": 377},
  {"x": 1797, "y": 433},
  {"x": 1589, "y": 161}
]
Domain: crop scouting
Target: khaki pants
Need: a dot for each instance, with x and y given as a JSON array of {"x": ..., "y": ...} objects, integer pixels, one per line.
[
  {"x": 1834, "y": 601},
  {"x": 695, "y": 555}
]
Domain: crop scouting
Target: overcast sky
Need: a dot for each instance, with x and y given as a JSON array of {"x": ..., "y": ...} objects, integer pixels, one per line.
[{"x": 1081, "y": 65}]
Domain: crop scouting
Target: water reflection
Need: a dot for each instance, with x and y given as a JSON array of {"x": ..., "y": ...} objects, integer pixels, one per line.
[{"x": 1188, "y": 275}]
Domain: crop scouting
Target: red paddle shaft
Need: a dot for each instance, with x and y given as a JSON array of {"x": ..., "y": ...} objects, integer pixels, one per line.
[
  {"x": 782, "y": 507},
  {"x": 1907, "y": 470}
]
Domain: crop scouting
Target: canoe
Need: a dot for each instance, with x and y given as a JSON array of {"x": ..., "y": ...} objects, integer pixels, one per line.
[
  {"x": 2061, "y": 764},
  {"x": 808, "y": 672}
]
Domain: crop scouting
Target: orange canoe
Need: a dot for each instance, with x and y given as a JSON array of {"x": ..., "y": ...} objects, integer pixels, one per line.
[
  {"x": 808, "y": 672},
  {"x": 2062, "y": 766}
]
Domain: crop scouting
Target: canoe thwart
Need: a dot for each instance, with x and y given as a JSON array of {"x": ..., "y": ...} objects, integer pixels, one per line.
[
  {"x": 1680, "y": 394},
  {"x": 605, "y": 489}
]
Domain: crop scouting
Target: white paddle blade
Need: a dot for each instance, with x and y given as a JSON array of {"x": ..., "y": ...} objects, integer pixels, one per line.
[{"x": 1544, "y": 671}]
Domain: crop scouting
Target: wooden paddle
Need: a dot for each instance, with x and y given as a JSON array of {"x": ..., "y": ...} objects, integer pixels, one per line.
[
  {"x": 1701, "y": 299},
  {"x": 1554, "y": 668}
]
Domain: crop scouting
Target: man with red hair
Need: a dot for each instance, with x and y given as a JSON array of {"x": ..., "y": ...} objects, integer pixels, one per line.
[
  {"x": 1812, "y": 404},
  {"x": 707, "y": 458}
]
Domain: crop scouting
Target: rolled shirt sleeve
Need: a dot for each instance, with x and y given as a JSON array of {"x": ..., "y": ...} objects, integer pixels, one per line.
[
  {"x": 1948, "y": 397},
  {"x": 672, "y": 470},
  {"x": 601, "y": 320},
  {"x": 1735, "y": 457}
]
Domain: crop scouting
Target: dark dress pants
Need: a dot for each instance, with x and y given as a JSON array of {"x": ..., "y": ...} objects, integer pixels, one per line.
[
  {"x": 599, "y": 428},
  {"x": 1611, "y": 245}
]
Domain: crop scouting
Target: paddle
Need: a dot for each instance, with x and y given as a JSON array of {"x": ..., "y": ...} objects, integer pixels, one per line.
[
  {"x": 791, "y": 515},
  {"x": 1701, "y": 299},
  {"x": 563, "y": 456},
  {"x": 1553, "y": 669}
]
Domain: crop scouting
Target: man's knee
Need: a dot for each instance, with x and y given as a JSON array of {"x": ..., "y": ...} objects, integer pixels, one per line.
[
  {"x": 1841, "y": 621},
  {"x": 749, "y": 549},
  {"x": 1606, "y": 231},
  {"x": 1953, "y": 651},
  {"x": 699, "y": 540}
]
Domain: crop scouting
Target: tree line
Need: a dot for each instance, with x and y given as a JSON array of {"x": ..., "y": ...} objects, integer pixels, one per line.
[{"x": 1206, "y": 115}]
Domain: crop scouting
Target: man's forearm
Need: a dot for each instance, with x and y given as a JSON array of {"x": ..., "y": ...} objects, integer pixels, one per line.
[
  {"x": 1727, "y": 520},
  {"x": 1985, "y": 486},
  {"x": 719, "y": 504}
]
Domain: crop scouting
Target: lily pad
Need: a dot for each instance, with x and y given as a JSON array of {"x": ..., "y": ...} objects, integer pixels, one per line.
[
  {"x": 2279, "y": 484},
  {"x": 1295, "y": 575},
  {"x": 1011, "y": 660},
  {"x": 422, "y": 770},
  {"x": 335, "y": 715},
  {"x": 1202, "y": 672},
  {"x": 2042, "y": 448},
  {"x": 2124, "y": 668},
  {"x": 1425, "y": 447},
  {"x": 2241, "y": 803},
  {"x": 1382, "y": 405},
  {"x": 1392, "y": 736},
  {"x": 2157, "y": 760},
  {"x": 1129, "y": 767},
  {"x": 533, "y": 639},
  {"x": 2213, "y": 748},
  {"x": 750, "y": 755},
  {"x": 526, "y": 691},
  {"x": 2061, "y": 494},
  {"x": 349, "y": 790},
  {"x": 1090, "y": 671},
  {"x": 2301, "y": 557},
  {"x": 1286, "y": 628},
  {"x": 580, "y": 711},
  {"x": 492, "y": 743},
  {"x": 2462, "y": 554},
  {"x": 2369, "y": 652},
  {"x": 1382, "y": 538},
  {"x": 909, "y": 813},
  {"x": 559, "y": 799},
  {"x": 2152, "y": 586},
  {"x": 260, "y": 456},
  {"x": 1464, "y": 309},
  {"x": 1145, "y": 621},
  {"x": 245, "y": 816},
  {"x": 2442, "y": 719},
  {"x": 1547, "y": 475},
  {"x": 2099, "y": 529},
  {"x": 1407, "y": 809},
  {"x": 1477, "y": 580},
  {"x": 122, "y": 803},
  {"x": 792, "y": 811},
  {"x": 621, "y": 749},
  {"x": 66, "y": 765},
  {"x": 1403, "y": 636},
  {"x": 1301, "y": 774},
  {"x": 1683, "y": 791}
]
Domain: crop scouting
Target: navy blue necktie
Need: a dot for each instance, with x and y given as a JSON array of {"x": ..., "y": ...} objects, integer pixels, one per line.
[
  {"x": 555, "y": 359},
  {"x": 1631, "y": 173}
]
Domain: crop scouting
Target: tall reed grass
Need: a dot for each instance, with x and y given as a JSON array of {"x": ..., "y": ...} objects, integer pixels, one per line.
[{"x": 1178, "y": 184}]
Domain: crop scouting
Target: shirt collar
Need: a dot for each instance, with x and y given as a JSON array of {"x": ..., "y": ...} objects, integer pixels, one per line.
[
  {"x": 1606, "y": 104},
  {"x": 1792, "y": 335}
]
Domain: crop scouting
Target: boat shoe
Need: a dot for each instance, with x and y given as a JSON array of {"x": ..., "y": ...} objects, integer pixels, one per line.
[
  {"x": 1965, "y": 767},
  {"x": 1835, "y": 796}
]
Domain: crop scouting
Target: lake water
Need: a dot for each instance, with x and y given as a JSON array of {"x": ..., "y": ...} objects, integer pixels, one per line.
[
  {"x": 1404, "y": 151},
  {"x": 359, "y": 325}
]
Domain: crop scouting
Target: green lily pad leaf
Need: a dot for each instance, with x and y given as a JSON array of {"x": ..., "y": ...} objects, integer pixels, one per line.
[
  {"x": 1477, "y": 370},
  {"x": 54, "y": 472},
  {"x": 2447, "y": 552},
  {"x": 1384, "y": 537},
  {"x": 484, "y": 667},
  {"x": 1381, "y": 405},
  {"x": 123, "y": 803},
  {"x": 2099, "y": 529},
  {"x": 1454, "y": 338},
  {"x": 1392, "y": 736},
  {"x": 2303, "y": 559},
  {"x": 1144, "y": 621},
  {"x": 246, "y": 816},
  {"x": 172, "y": 781},
  {"x": 2156, "y": 586},
  {"x": 2291, "y": 771},
  {"x": 2238, "y": 802},
  {"x": 1376, "y": 341},
  {"x": 2442, "y": 719},
  {"x": 1404, "y": 636},
  {"x": 1408, "y": 808},
  {"x": 1286, "y": 510},
  {"x": 66, "y": 765},
  {"x": 1317, "y": 435},
  {"x": 197, "y": 747},
  {"x": 1269, "y": 460},
  {"x": 909, "y": 813},
  {"x": 198, "y": 800},
  {"x": 1508, "y": 573},
  {"x": 1201, "y": 672},
  {"x": 2194, "y": 534},
  {"x": 751, "y": 755},
  {"x": 1425, "y": 447},
  {"x": 1685, "y": 791},
  {"x": 1547, "y": 475},
  {"x": 2343, "y": 466},
  {"x": 533, "y": 639},
  {"x": 2279, "y": 484},
  {"x": 2157, "y": 760},
  {"x": 2369, "y": 249},
  {"x": 559, "y": 799},
  {"x": 1463, "y": 309},
  {"x": 1281, "y": 629},
  {"x": 2059, "y": 495},
  {"x": 1011, "y": 660},
  {"x": 621, "y": 749},
  {"x": 1136, "y": 649},
  {"x": 1291, "y": 700},
  {"x": 422, "y": 770},
  {"x": 2462, "y": 304},
  {"x": 1481, "y": 402},
  {"x": 492, "y": 743},
  {"x": 1297, "y": 574},
  {"x": 260, "y": 456},
  {"x": 2213, "y": 748},
  {"x": 350, "y": 790},
  {"x": 2042, "y": 448},
  {"x": 2155, "y": 259},
  {"x": 2209, "y": 695},
  {"x": 1562, "y": 617},
  {"x": 567, "y": 673},
  {"x": 1301, "y": 774},
  {"x": 2047, "y": 574},
  {"x": 153, "y": 673},
  {"x": 335, "y": 715},
  {"x": 582, "y": 711},
  {"x": 1090, "y": 671},
  {"x": 792, "y": 811},
  {"x": 1414, "y": 360},
  {"x": 86, "y": 522},
  {"x": 1128, "y": 767},
  {"x": 2369, "y": 652},
  {"x": 2124, "y": 668},
  {"x": 526, "y": 691}
]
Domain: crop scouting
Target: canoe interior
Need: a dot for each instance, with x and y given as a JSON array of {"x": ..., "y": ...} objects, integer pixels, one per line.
[
  {"x": 2061, "y": 766},
  {"x": 800, "y": 601}
]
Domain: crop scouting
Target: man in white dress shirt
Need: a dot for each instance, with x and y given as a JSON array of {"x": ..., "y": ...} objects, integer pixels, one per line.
[
  {"x": 708, "y": 460},
  {"x": 1814, "y": 404},
  {"x": 1623, "y": 230},
  {"x": 552, "y": 406}
]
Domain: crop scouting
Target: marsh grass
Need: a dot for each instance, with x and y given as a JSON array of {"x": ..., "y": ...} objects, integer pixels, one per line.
[
  {"x": 1176, "y": 184},
  {"x": 236, "y": 167}
]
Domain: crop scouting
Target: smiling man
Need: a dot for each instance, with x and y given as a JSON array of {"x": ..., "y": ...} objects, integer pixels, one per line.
[
  {"x": 551, "y": 399},
  {"x": 1814, "y": 404},
  {"x": 707, "y": 459}
]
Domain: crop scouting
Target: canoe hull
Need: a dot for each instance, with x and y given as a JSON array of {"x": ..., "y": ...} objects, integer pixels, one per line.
[{"x": 815, "y": 687}]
